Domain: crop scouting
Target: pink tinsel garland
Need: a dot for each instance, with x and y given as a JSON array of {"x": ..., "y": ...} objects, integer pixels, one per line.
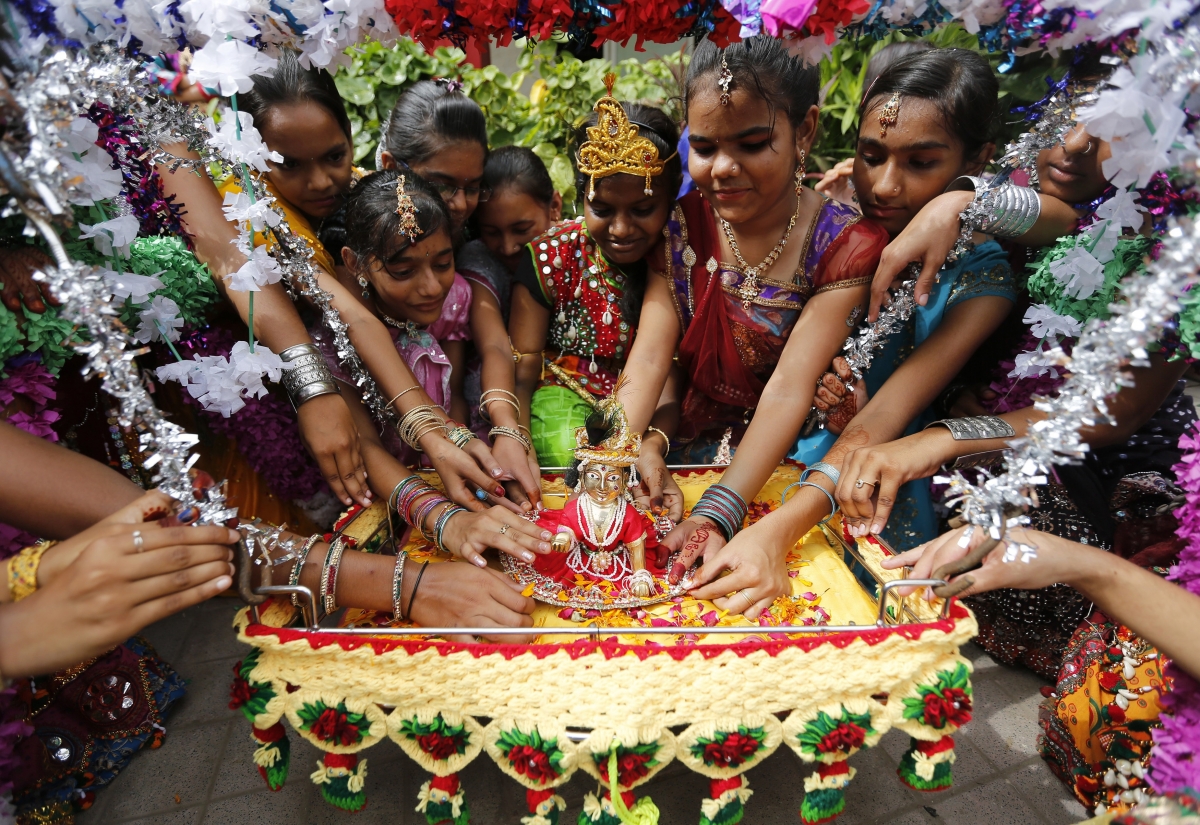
[
  {"x": 1176, "y": 760},
  {"x": 27, "y": 379}
]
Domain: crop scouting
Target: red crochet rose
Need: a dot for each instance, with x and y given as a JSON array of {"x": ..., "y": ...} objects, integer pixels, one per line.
[
  {"x": 735, "y": 750},
  {"x": 845, "y": 737},
  {"x": 951, "y": 706},
  {"x": 239, "y": 693},
  {"x": 331, "y": 726},
  {"x": 1109, "y": 681},
  {"x": 533, "y": 763},
  {"x": 630, "y": 767},
  {"x": 437, "y": 745}
]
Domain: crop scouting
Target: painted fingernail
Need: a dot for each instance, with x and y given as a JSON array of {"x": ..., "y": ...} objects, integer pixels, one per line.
[
  {"x": 224, "y": 582},
  {"x": 480, "y": 561},
  {"x": 876, "y": 529},
  {"x": 544, "y": 547},
  {"x": 496, "y": 472},
  {"x": 546, "y": 535},
  {"x": 499, "y": 491},
  {"x": 527, "y": 558},
  {"x": 188, "y": 515}
]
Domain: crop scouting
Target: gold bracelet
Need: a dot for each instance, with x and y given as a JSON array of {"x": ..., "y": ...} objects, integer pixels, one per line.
[
  {"x": 484, "y": 401},
  {"x": 514, "y": 434},
  {"x": 517, "y": 356},
  {"x": 421, "y": 420},
  {"x": 23, "y": 570},
  {"x": 666, "y": 440},
  {"x": 402, "y": 392}
]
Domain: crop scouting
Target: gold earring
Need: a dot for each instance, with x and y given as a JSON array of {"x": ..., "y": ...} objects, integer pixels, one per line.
[
  {"x": 800, "y": 172},
  {"x": 366, "y": 287}
]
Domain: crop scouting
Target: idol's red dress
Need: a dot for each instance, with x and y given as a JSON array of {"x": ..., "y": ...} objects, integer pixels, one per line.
[{"x": 635, "y": 525}]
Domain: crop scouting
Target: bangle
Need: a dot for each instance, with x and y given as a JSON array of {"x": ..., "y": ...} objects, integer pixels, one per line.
[
  {"x": 403, "y": 490},
  {"x": 442, "y": 520},
  {"x": 666, "y": 439},
  {"x": 416, "y": 584},
  {"x": 833, "y": 508},
  {"x": 329, "y": 574},
  {"x": 505, "y": 396},
  {"x": 297, "y": 569},
  {"x": 460, "y": 436},
  {"x": 419, "y": 421},
  {"x": 422, "y": 511},
  {"x": 398, "y": 585},
  {"x": 1003, "y": 210},
  {"x": 307, "y": 375},
  {"x": 821, "y": 467},
  {"x": 513, "y": 433},
  {"x": 725, "y": 507},
  {"x": 976, "y": 427},
  {"x": 402, "y": 392},
  {"x": 23, "y": 570}
]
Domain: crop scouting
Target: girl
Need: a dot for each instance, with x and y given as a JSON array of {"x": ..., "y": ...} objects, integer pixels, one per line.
[
  {"x": 758, "y": 279},
  {"x": 928, "y": 119},
  {"x": 580, "y": 285},
  {"x": 299, "y": 115},
  {"x": 440, "y": 134}
]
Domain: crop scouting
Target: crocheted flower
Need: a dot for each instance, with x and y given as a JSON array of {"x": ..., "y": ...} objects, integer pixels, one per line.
[
  {"x": 733, "y": 751},
  {"x": 335, "y": 726},
  {"x": 533, "y": 763},
  {"x": 632, "y": 763},
  {"x": 438, "y": 745},
  {"x": 845, "y": 738},
  {"x": 951, "y": 706},
  {"x": 240, "y": 691}
]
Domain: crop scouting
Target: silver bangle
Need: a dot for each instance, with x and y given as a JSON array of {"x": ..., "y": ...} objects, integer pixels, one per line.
[
  {"x": 821, "y": 467},
  {"x": 991, "y": 458},
  {"x": 976, "y": 427},
  {"x": 308, "y": 375},
  {"x": 1003, "y": 211}
]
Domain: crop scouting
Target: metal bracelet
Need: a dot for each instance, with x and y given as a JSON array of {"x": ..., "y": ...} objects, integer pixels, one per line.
[
  {"x": 461, "y": 436},
  {"x": 821, "y": 467},
  {"x": 990, "y": 458},
  {"x": 1012, "y": 212},
  {"x": 976, "y": 427},
  {"x": 308, "y": 375}
]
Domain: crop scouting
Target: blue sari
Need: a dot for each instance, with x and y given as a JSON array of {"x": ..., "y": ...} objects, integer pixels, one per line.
[{"x": 984, "y": 272}]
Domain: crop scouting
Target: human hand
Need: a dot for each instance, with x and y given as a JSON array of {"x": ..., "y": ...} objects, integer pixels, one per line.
[
  {"x": 17, "y": 265},
  {"x": 927, "y": 240},
  {"x": 1056, "y": 560},
  {"x": 755, "y": 562},
  {"x": 459, "y": 595},
  {"x": 839, "y": 404},
  {"x": 526, "y": 485},
  {"x": 465, "y": 471},
  {"x": 112, "y": 590},
  {"x": 468, "y": 535},
  {"x": 328, "y": 431},
  {"x": 695, "y": 537},
  {"x": 838, "y": 183},
  {"x": 656, "y": 490},
  {"x": 882, "y": 469}
]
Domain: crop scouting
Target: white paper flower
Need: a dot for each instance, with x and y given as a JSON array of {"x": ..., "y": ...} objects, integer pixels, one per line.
[
  {"x": 176, "y": 371},
  {"x": 215, "y": 19},
  {"x": 1045, "y": 322},
  {"x": 1123, "y": 210},
  {"x": 126, "y": 285},
  {"x": 82, "y": 135},
  {"x": 221, "y": 384},
  {"x": 250, "y": 368},
  {"x": 230, "y": 66},
  {"x": 248, "y": 149},
  {"x": 1078, "y": 272},
  {"x": 258, "y": 271},
  {"x": 93, "y": 178},
  {"x": 259, "y": 214},
  {"x": 160, "y": 319},
  {"x": 113, "y": 236},
  {"x": 1032, "y": 364}
]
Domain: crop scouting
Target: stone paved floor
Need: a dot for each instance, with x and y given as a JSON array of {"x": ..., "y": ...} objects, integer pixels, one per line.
[{"x": 204, "y": 774}]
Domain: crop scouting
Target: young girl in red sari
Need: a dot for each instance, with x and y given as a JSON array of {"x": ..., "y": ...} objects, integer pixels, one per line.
[{"x": 760, "y": 278}]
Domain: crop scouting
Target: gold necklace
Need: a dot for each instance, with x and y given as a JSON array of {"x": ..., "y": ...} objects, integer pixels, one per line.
[{"x": 750, "y": 290}]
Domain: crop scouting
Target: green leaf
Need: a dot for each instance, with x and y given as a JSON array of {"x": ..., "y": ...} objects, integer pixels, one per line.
[{"x": 355, "y": 90}]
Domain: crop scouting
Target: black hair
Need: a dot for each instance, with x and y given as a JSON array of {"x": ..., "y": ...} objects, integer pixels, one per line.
[
  {"x": 654, "y": 125},
  {"x": 292, "y": 83},
  {"x": 959, "y": 81},
  {"x": 375, "y": 227},
  {"x": 428, "y": 115},
  {"x": 600, "y": 426},
  {"x": 520, "y": 167},
  {"x": 760, "y": 63},
  {"x": 888, "y": 55}
]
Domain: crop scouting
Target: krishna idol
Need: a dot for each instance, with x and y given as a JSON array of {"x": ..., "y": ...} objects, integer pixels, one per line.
[{"x": 602, "y": 536}]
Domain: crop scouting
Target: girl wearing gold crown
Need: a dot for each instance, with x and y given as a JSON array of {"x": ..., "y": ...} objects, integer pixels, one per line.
[{"x": 578, "y": 291}]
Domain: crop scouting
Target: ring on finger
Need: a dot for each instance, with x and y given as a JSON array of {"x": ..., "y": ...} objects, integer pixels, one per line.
[
  {"x": 503, "y": 529},
  {"x": 860, "y": 483},
  {"x": 139, "y": 543},
  {"x": 481, "y": 494},
  {"x": 749, "y": 601}
]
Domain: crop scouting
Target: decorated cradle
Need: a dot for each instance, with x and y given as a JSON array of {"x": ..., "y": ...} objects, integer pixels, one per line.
[{"x": 871, "y": 662}]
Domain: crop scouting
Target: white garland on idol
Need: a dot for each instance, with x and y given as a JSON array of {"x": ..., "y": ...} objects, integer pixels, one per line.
[{"x": 1169, "y": 75}]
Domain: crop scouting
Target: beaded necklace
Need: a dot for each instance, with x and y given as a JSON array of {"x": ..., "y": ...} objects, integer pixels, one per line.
[
  {"x": 591, "y": 518},
  {"x": 576, "y": 325}
]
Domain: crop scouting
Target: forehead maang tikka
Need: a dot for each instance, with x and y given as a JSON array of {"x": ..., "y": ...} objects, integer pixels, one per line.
[
  {"x": 724, "y": 80},
  {"x": 407, "y": 210},
  {"x": 889, "y": 113}
]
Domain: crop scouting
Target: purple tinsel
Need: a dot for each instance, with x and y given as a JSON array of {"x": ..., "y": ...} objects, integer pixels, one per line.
[
  {"x": 266, "y": 431},
  {"x": 1163, "y": 199},
  {"x": 1017, "y": 393},
  {"x": 1175, "y": 763},
  {"x": 119, "y": 136}
]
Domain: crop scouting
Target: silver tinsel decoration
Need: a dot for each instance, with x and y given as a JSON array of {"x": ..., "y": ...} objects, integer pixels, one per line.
[
  {"x": 1097, "y": 364},
  {"x": 1057, "y": 118}
]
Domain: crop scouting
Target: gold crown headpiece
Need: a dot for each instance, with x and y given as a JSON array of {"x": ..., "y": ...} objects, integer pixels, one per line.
[
  {"x": 615, "y": 145},
  {"x": 407, "y": 210},
  {"x": 621, "y": 448}
]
